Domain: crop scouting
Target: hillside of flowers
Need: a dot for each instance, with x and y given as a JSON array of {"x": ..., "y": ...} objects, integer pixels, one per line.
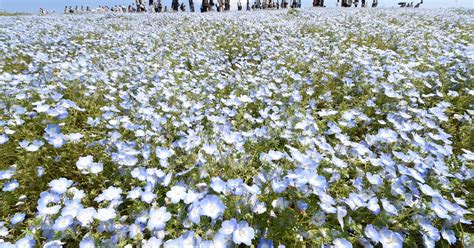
[{"x": 291, "y": 128}]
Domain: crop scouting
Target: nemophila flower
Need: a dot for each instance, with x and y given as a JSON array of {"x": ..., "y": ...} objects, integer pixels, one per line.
[
  {"x": 158, "y": 218},
  {"x": 244, "y": 234},
  {"x": 74, "y": 137},
  {"x": 62, "y": 223},
  {"x": 109, "y": 194},
  {"x": 373, "y": 205},
  {"x": 372, "y": 233},
  {"x": 209, "y": 148},
  {"x": 387, "y": 135},
  {"x": 152, "y": 242},
  {"x": 135, "y": 193},
  {"x": 17, "y": 218},
  {"x": 318, "y": 219},
  {"x": 302, "y": 205},
  {"x": 84, "y": 162},
  {"x": 85, "y": 216},
  {"x": 60, "y": 185},
  {"x": 176, "y": 194},
  {"x": 31, "y": 146},
  {"x": 265, "y": 243},
  {"x": 57, "y": 140},
  {"x": 272, "y": 156},
  {"x": 342, "y": 243},
  {"x": 279, "y": 185},
  {"x": 10, "y": 186},
  {"x": 228, "y": 226},
  {"x": 449, "y": 236},
  {"x": 390, "y": 239},
  {"x": 87, "y": 242},
  {"x": 148, "y": 197},
  {"x": 341, "y": 213},
  {"x": 194, "y": 213},
  {"x": 218, "y": 185},
  {"x": 40, "y": 171},
  {"x": 134, "y": 230},
  {"x": 27, "y": 242},
  {"x": 104, "y": 214},
  {"x": 163, "y": 153},
  {"x": 212, "y": 206},
  {"x": 374, "y": 179},
  {"x": 387, "y": 206},
  {"x": 3, "y": 139}
]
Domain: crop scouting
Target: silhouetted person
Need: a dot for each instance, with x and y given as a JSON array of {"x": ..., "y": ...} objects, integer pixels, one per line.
[
  {"x": 248, "y": 5},
  {"x": 226, "y": 5},
  {"x": 204, "y": 6},
  {"x": 191, "y": 5},
  {"x": 419, "y": 4},
  {"x": 375, "y": 3},
  {"x": 175, "y": 5},
  {"x": 362, "y": 3}
]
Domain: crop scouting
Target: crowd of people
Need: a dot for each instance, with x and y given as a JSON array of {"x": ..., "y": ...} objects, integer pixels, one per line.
[{"x": 155, "y": 6}]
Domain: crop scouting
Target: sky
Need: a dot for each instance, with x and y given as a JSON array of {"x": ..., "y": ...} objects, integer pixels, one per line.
[{"x": 32, "y": 6}]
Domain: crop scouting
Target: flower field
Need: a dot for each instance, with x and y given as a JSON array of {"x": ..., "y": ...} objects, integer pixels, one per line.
[{"x": 296, "y": 128}]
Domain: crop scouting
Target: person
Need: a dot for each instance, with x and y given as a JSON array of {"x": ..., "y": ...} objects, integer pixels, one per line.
[
  {"x": 211, "y": 5},
  {"x": 160, "y": 7},
  {"x": 226, "y": 5},
  {"x": 239, "y": 6},
  {"x": 375, "y": 3},
  {"x": 166, "y": 9},
  {"x": 248, "y": 5},
  {"x": 88, "y": 9},
  {"x": 175, "y": 5},
  {"x": 151, "y": 6},
  {"x": 356, "y": 2},
  {"x": 191, "y": 5},
  {"x": 362, "y": 3},
  {"x": 182, "y": 7}
]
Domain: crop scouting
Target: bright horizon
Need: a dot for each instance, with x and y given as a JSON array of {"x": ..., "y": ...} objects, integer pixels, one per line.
[{"x": 33, "y": 6}]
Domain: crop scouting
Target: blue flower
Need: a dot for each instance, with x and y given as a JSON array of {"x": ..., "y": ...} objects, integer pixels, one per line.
[
  {"x": 212, "y": 206},
  {"x": 105, "y": 214},
  {"x": 390, "y": 239},
  {"x": 449, "y": 236},
  {"x": 148, "y": 197},
  {"x": 17, "y": 218},
  {"x": 10, "y": 186},
  {"x": 176, "y": 194},
  {"x": 243, "y": 234},
  {"x": 265, "y": 243},
  {"x": 60, "y": 185},
  {"x": 228, "y": 226},
  {"x": 87, "y": 242},
  {"x": 342, "y": 243},
  {"x": 387, "y": 206},
  {"x": 3, "y": 139},
  {"x": 109, "y": 194},
  {"x": 62, "y": 223},
  {"x": 158, "y": 219},
  {"x": 372, "y": 233}
]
